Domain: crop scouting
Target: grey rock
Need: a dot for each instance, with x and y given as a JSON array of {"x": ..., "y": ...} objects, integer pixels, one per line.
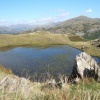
[{"x": 85, "y": 66}]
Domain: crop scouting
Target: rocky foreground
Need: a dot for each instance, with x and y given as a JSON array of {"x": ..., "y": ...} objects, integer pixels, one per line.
[{"x": 85, "y": 67}]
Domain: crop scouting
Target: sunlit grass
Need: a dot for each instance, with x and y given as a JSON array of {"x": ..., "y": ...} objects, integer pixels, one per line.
[
  {"x": 45, "y": 39},
  {"x": 82, "y": 91},
  {"x": 86, "y": 89},
  {"x": 37, "y": 38}
]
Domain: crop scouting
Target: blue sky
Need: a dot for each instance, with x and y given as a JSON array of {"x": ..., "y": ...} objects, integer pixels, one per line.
[{"x": 46, "y": 11}]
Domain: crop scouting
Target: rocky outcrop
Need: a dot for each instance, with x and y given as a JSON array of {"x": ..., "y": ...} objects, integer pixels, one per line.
[{"x": 85, "y": 66}]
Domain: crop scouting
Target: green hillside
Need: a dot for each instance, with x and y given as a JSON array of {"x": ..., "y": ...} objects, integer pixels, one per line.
[
  {"x": 44, "y": 38},
  {"x": 14, "y": 88},
  {"x": 36, "y": 38},
  {"x": 92, "y": 36},
  {"x": 84, "y": 26}
]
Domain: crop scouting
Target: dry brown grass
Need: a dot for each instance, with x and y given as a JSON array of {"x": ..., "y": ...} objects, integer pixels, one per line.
[
  {"x": 73, "y": 92},
  {"x": 4, "y": 72},
  {"x": 15, "y": 88}
]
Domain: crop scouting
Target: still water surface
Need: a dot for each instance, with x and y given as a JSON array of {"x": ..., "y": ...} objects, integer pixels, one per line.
[{"x": 56, "y": 59}]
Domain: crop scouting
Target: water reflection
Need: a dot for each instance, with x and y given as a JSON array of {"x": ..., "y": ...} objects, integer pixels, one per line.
[{"x": 32, "y": 60}]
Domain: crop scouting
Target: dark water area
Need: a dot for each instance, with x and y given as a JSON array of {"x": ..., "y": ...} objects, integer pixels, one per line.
[{"x": 32, "y": 61}]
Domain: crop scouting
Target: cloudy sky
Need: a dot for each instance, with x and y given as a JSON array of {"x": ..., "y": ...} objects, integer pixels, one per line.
[{"x": 46, "y": 11}]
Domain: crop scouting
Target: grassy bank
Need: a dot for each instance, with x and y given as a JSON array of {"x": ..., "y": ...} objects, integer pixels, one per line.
[
  {"x": 4, "y": 72},
  {"x": 15, "y": 88},
  {"x": 48, "y": 39},
  {"x": 84, "y": 45},
  {"x": 86, "y": 90},
  {"x": 37, "y": 38}
]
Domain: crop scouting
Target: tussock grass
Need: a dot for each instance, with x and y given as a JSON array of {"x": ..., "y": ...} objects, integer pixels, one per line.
[
  {"x": 83, "y": 91},
  {"x": 15, "y": 88}
]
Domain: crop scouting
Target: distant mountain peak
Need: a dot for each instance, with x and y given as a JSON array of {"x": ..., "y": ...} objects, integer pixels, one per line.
[
  {"x": 81, "y": 18},
  {"x": 81, "y": 25}
]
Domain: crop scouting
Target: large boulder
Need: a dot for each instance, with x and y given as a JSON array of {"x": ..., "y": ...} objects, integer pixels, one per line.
[{"x": 85, "y": 66}]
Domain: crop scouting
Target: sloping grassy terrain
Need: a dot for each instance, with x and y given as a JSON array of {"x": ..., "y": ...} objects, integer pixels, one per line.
[
  {"x": 43, "y": 38},
  {"x": 15, "y": 88},
  {"x": 25, "y": 90},
  {"x": 85, "y": 90},
  {"x": 4, "y": 72},
  {"x": 86, "y": 47},
  {"x": 80, "y": 43},
  {"x": 76, "y": 38},
  {"x": 37, "y": 38}
]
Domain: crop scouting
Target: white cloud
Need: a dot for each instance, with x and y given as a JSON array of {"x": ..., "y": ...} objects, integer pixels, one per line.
[
  {"x": 62, "y": 13},
  {"x": 65, "y": 14},
  {"x": 2, "y": 20},
  {"x": 32, "y": 21},
  {"x": 89, "y": 11},
  {"x": 59, "y": 14},
  {"x": 61, "y": 10},
  {"x": 47, "y": 19},
  {"x": 42, "y": 20}
]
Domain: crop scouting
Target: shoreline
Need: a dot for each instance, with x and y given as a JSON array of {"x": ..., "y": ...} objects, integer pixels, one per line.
[
  {"x": 46, "y": 39},
  {"x": 53, "y": 45},
  {"x": 49, "y": 45}
]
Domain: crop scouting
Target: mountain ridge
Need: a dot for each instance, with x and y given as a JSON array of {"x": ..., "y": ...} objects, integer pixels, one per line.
[{"x": 84, "y": 26}]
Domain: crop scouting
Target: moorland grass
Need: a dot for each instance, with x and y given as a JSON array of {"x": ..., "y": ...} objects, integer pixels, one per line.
[
  {"x": 37, "y": 38},
  {"x": 42, "y": 38},
  {"x": 85, "y": 90}
]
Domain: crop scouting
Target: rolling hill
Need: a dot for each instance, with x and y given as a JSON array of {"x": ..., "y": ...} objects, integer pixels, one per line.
[
  {"x": 88, "y": 28},
  {"x": 35, "y": 38}
]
